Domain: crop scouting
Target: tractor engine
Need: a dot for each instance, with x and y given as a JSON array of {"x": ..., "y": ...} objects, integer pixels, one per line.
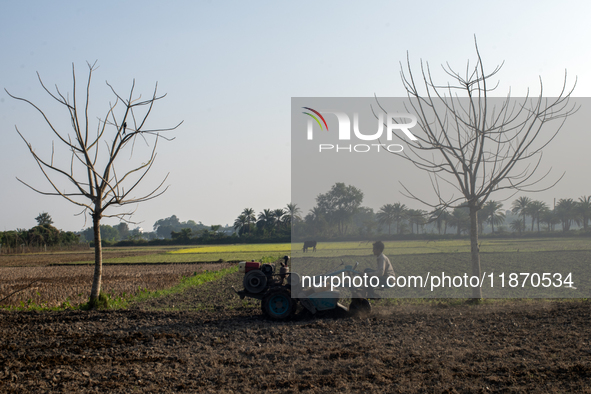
[{"x": 258, "y": 277}]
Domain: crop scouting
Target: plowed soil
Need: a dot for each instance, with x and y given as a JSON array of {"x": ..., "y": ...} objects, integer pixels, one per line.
[
  {"x": 207, "y": 340},
  {"x": 51, "y": 286}
]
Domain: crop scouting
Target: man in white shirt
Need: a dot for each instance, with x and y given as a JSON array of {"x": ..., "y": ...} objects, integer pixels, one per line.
[
  {"x": 384, "y": 270},
  {"x": 384, "y": 266}
]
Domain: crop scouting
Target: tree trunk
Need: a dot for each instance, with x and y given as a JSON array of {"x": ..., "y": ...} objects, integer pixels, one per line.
[
  {"x": 98, "y": 261},
  {"x": 474, "y": 250}
]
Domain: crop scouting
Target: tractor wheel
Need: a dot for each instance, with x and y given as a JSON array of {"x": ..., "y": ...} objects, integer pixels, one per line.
[
  {"x": 278, "y": 304},
  {"x": 360, "y": 306}
]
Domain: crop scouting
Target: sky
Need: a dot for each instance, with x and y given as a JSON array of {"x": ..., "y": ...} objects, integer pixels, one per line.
[{"x": 230, "y": 69}]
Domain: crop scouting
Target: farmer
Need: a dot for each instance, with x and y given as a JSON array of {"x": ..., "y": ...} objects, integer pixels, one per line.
[
  {"x": 384, "y": 268},
  {"x": 284, "y": 270}
]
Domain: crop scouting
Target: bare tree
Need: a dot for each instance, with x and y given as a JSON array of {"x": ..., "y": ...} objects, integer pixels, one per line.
[
  {"x": 96, "y": 177},
  {"x": 475, "y": 146}
]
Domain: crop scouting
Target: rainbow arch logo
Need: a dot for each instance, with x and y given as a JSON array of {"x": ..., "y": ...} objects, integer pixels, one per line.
[{"x": 315, "y": 118}]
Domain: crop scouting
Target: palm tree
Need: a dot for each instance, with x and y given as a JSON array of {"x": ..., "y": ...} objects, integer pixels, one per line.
[
  {"x": 517, "y": 225},
  {"x": 492, "y": 214},
  {"x": 440, "y": 216},
  {"x": 278, "y": 216},
  {"x": 266, "y": 219},
  {"x": 250, "y": 218},
  {"x": 240, "y": 224},
  {"x": 535, "y": 209},
  {"x": 387, "y": 215},
  {"x": 416, "y": 217},
  {"x": 549, "y": 217},
  {"x": 399, "y": 213},
  {"x": 293, "y": 213},
  {"x": 316, "y": 222},
  {"x": 584, "y": 210},
  {"x": 460, "y": 219},
  {"x": 421, "y": 219},
  {"x": 43, "y": 219},
  {"x": 566, "y": 212},
  {"x": 520, "y": 207},
  {"x": 316, "y": 213}
]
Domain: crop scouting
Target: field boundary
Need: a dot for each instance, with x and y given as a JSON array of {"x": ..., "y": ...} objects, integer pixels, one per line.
[{"x": 146, "y": 263}]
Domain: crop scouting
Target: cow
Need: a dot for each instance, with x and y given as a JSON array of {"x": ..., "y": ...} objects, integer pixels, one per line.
[{"x": 309, "y": 244}]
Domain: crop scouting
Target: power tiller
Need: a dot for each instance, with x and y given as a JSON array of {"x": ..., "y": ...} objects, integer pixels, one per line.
[{"x": 275, "y": 291}]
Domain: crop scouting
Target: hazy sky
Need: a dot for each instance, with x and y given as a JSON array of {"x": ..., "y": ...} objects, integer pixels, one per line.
[{"x": 230, "y": 70}]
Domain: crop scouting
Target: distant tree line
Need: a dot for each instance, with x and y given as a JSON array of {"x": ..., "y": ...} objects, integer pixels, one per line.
[
  {"x": 339, "y": 214},
  {"x": 270, "y": 225},
  {"x": 167, "y": 231},
  {"x": 110, "y": 235},
  {"x": 43, "y": 234}
]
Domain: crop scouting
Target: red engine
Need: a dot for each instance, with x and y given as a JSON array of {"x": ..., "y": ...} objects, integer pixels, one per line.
[{"x": 245, "y": 267}]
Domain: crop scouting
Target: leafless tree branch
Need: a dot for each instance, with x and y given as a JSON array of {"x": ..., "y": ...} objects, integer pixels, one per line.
[
  {"x": 100, "y": 187},
  {"x": 474, "y": 144}
]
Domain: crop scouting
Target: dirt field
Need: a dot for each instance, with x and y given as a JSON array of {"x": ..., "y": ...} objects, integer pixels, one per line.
[
  {"x": 45, "y": 279},
  {"x": 207, "y": 340},
  {"x": 53, "y": 285}
]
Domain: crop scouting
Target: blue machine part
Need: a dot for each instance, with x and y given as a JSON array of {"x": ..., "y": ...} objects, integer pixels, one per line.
[{"x": 325, "y": 300}]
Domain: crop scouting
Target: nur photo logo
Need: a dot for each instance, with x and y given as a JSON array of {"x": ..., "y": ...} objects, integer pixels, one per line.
[{"x": 389, "y": 122}]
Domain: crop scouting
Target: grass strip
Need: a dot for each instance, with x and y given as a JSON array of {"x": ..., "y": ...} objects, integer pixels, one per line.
[{"x": 186, "y": 282}]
